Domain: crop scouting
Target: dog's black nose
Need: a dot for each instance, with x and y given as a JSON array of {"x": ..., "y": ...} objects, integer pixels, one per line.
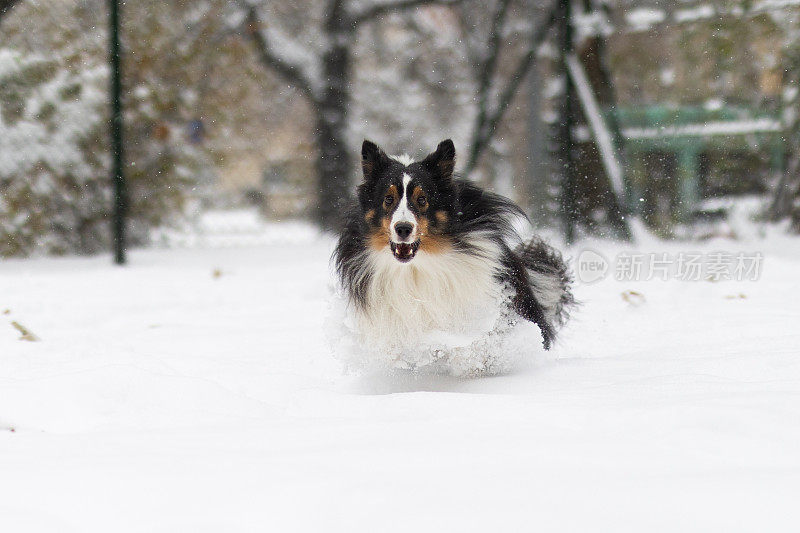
[{"x": 403, "y": 230}]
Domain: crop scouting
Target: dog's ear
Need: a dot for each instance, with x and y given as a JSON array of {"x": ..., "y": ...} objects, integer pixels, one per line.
[
  {"x": 373, "y": 160},
  {"x": 442, "y": 162}
]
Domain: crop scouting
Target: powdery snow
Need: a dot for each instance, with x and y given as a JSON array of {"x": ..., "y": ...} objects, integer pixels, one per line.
[
  {"x": 492, "y": 340},
  {"x": 194, "y": 390},
  {"x": 643, "y": 18}
]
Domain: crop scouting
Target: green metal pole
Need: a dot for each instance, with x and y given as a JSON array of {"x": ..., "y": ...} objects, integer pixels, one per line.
[
  {"x": 688, "y": 182},
  {"x": 566, "y": 156},
  {"x": 117, "y": 176}
]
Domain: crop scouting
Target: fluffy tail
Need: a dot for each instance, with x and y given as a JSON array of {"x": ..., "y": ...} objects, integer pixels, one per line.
[{"x": 550, "y": 281}]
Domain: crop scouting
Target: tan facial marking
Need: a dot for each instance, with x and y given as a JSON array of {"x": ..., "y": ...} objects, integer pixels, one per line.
[
  {"x": 435, "y": 244},
  {"x": 441, "y": 217},
  {"x": 432, "y": 243},
  {"x": 379, "y": 238},
  {"x": 370, "y": 215},
  {"x": 392, "y": 191},
  {"x": 415, "y": 198}
]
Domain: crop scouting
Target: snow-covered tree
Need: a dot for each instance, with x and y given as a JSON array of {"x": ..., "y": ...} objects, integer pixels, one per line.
[
  {"x": 310, "y": 45},
  {"x": 50, "y": 177},
  {"x": 5, "y": 7},
  {"x": 412, "y": 87},
  {"x": 55, "y": 186},
  {"x": 363, "y": 65}
]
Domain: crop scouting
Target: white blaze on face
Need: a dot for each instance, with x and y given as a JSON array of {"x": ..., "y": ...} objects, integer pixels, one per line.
[{"x": 403, "y": 213}]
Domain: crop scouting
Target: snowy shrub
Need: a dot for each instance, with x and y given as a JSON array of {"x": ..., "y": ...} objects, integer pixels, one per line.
[{"x": 55, "y": 185}]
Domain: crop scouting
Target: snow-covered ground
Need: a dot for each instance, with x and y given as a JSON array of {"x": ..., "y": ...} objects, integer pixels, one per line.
[{"x": 193, "y": 391}]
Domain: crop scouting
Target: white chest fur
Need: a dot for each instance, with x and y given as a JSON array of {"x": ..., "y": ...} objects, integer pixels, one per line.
[{"x": 433, "y": 292}]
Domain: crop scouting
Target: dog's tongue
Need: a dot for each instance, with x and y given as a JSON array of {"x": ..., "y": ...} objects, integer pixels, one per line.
[{"x": 404, "y": 250}]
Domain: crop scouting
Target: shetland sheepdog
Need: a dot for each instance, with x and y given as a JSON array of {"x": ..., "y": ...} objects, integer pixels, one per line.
[{"x": 420, "y": 248}]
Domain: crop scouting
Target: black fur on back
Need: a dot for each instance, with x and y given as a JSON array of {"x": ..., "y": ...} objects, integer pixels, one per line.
[
  {"x": 539, "y": 257},
  {"x": 350, "y": 255},
  {"x": 481, "y": 211}
]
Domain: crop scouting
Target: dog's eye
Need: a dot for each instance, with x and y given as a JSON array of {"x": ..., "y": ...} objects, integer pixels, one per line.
[
  {"x": 422, "y": 201},
  {"x": 388, "y": 201}
]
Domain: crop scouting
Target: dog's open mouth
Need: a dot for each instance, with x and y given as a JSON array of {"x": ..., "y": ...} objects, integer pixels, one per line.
[{"x": 404, "y": 251}]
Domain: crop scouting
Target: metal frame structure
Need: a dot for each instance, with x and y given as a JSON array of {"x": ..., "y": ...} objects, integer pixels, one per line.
[{"x": 117, "y": 168}]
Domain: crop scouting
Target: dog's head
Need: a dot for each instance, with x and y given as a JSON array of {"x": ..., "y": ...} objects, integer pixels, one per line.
[{"x": 408, "y": 205}]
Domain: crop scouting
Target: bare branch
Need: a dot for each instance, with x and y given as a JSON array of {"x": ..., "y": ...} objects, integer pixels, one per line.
[
  {"x": 379, "y": 10},
  {"x": 519, "y": 75},
  {"x": 292, "y": 73},
  {"x": 493, "y": 119},
  {"x": 336, "y": 10},
  {"x": 494, "y": 39},
  {"x": 485, "y": 70},
  {"x": 6, "y": 6}
]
